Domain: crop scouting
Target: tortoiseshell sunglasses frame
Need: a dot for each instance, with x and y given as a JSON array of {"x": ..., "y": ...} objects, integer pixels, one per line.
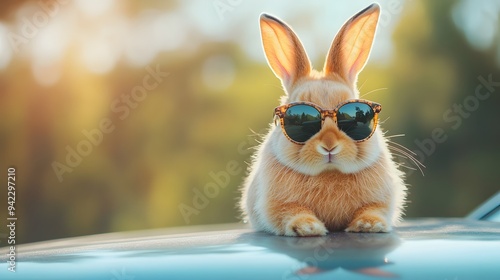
[{"x": 281, "y": 110}]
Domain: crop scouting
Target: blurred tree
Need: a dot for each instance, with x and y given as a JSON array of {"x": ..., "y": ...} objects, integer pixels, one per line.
[{"x": 434, "y": 68}]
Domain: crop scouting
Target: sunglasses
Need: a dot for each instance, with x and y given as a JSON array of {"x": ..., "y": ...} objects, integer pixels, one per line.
[{"x": 300, "y": 121}]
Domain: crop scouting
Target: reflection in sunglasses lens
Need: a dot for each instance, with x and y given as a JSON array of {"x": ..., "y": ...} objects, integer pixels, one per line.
[
  {"x": 356, "y": 120},
  {"x": 301, "y": 122}
]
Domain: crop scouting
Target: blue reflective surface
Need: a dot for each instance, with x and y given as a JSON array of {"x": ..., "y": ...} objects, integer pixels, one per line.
[{"x": 420, "y": 249}]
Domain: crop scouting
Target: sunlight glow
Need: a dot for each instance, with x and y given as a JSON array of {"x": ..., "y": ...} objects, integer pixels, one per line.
[
  {"x": 52, "y": 41},
  {"x": 98, "y": 56}
]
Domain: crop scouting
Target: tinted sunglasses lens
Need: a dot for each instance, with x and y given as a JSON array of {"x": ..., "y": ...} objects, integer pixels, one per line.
[
  {"x": 356, "y": 120},
  {"x": 301, "y": 122}
]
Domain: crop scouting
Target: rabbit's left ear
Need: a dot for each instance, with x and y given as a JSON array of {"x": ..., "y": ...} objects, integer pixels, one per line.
[
  {"x": 284, "y": 51},
  {"x": 351, "y": 47}
]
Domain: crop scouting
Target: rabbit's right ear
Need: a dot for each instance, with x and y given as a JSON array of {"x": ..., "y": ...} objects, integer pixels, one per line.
[
  {"x": 284, "y": 51},
  {"x": 351, "y": 47}
]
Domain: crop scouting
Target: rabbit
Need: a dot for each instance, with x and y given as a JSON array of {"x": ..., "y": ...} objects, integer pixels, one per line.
[{"x": 330, "y": 183}]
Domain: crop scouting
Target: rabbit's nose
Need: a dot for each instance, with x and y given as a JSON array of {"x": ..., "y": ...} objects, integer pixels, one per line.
[{"x": 328, "y": 150}]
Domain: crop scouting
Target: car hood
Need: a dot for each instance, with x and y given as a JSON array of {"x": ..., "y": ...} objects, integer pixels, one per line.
[{"x": 418, "y": 249}]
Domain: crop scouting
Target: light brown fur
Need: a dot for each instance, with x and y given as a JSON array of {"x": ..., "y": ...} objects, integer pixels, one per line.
[{"x": 291, "y": 189}]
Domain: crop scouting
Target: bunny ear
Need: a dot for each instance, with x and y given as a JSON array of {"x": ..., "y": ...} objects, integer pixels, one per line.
[
  {"x": 351, "y": 47},
  {"x": 284, "y": 51}
]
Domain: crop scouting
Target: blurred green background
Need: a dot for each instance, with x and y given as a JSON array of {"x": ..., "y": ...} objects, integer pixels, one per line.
[{"x": 68, "y": 66}]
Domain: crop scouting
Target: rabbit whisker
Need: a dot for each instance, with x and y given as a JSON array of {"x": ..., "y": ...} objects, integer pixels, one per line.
[
  {"x": 409, "y": 156},
  {"x": 372, "y": 91}
]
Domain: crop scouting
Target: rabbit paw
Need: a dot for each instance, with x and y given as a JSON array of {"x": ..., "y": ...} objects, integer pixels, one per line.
[
  {"x": 368, "y": 223},
  {"x": 305, "y": 225}
]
